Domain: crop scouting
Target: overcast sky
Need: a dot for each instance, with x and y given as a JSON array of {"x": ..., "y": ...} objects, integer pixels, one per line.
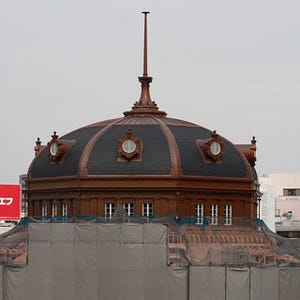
[{"x": 232, "y": 66}]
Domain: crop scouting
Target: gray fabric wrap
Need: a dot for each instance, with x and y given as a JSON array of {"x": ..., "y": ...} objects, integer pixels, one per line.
[
  {"x": 128, "y": 261},
  {"x": 207, "y": 283},
  {"x": 237, "y": 283},
  {"x": 95, "y": 261}
]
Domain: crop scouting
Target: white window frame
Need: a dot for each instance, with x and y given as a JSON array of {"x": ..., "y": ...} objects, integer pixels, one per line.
[
  {"x": 228, "y": 214},
  {"x": 199, "y": 212},
  {"x": 214, "y": 214},
  {"x": 26, "y": 209},
  {"x": 54, "y": 210},
  {"x": 147, "y": 209},
  {"x": 64, "y": 209},
  {"x": 109, "y": 210},
  {"x": 129, "y": 208},
  {"x": 44, "y": 210}
]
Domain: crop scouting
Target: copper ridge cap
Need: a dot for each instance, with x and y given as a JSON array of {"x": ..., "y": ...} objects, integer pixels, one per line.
[{"x": 145, "y": 106}]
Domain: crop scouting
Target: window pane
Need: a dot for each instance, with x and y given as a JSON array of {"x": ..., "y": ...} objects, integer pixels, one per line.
[
  {"x": 129, "y": 208},
  {"x": 147, "y": 209},
  {"x": 199, "y": 213},
  {"x": 228, "y": 214},
  {"x": 54, "y": 210},
  {"x": 214, "y": 214},
  {"x": 109, "y": 209},
  {"x": 65, "y": 209},
  {"x": 44, "y": 210}
]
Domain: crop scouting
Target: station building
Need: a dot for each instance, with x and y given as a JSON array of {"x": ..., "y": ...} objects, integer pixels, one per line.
[{"x": 146, "y": 162}]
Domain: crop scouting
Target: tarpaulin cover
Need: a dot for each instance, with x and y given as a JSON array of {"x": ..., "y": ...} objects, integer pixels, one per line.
[
  {"x": 207, "y": 283},
  {"x": 129, "y": 261},
  {"x": 237, "y": 283},
  {"x": 274, "y": 283},
  {"x": 289, "y": 283},
  {"x": 265, "y": 283},
  {"x": 96, "y": 261}
]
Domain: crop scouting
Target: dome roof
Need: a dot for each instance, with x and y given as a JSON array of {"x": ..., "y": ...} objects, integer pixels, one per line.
[
  {"x": 169, "y": 147},
  {"x": 161, "y": 146}
]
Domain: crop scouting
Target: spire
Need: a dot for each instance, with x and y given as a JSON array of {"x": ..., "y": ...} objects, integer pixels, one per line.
[
  {"x": 145, "y": 106},
  {"x": 145, "y": 73}
]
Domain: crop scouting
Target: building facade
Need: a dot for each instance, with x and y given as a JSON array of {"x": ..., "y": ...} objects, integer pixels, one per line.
[
  {"x": 281, "y": 193},
  {"x": 145, "y": 162}
]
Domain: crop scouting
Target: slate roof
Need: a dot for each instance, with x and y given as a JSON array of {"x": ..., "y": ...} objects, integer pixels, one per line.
[{"x": 97, "y": 144}]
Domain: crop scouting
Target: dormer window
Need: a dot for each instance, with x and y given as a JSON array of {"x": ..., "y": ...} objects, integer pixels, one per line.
[
  {"x": 129, "y": 147},
  {"x": 57, "y": 148},
  {"x": 212, "y": 149}
]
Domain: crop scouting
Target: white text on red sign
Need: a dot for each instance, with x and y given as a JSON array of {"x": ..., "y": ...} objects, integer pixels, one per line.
[{"x": 6, "y": 201}]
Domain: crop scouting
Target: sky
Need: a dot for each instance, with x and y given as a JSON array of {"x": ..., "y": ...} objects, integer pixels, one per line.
[{"x": 231, "y": 66}]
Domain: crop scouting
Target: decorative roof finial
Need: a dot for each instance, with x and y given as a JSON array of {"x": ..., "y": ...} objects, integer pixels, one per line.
[
  {"x": 145, "y": 106},
  {"x": 145, "y": 71},
  {"x": 38, "y": 146}
]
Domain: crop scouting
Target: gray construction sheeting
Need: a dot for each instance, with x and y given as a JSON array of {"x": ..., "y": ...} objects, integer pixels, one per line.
[
  {"x": 289, "y": 283},
  {"x": 126, "y": 262},
  {"x": 274, "y": 283},
  {"x": 207, "y": 283},
  {"x": 265, "y": 283},
  {"x": 95, "y": 261},
  {"x": 237, "y": 283}
]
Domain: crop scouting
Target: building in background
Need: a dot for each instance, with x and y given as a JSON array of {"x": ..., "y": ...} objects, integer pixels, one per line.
[
  {"x": 280, "y": 208},
  {"x": 267, "y": 203},
  {"x": 22, "y": 182}
]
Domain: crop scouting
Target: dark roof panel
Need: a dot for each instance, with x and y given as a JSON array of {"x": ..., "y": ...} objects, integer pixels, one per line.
[
  {"x": 232, "y": 164},
  {"x": 43, "y": 165},
  {"x": 155, "y": 160}
]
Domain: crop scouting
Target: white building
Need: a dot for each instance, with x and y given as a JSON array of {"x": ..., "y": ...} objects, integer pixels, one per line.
[
  {"x": 280, "y": 202},
  {"x": 267, "y": 204}
]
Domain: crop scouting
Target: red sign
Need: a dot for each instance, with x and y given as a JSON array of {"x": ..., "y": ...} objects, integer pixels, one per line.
[{"x": 10, "y": 201}]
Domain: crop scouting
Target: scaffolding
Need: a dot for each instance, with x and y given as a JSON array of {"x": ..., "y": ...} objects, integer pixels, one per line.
[{"x": 245, "y": 242}]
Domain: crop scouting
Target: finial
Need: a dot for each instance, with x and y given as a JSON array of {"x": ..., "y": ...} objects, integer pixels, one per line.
[
  {"x": 54, "y": 136},
  {"x": 145, "y": 70},
  {"x": 38, "y": 147},
  {"x": 145, "y": 106},
  {"x": 253, "y": 143},
  {"x": 214, "y": 134}
]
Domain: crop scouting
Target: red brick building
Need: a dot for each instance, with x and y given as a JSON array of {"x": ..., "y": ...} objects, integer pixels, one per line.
[
  {"x": 146, "y": 162},
  {"x": 150, "y": 164}
]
